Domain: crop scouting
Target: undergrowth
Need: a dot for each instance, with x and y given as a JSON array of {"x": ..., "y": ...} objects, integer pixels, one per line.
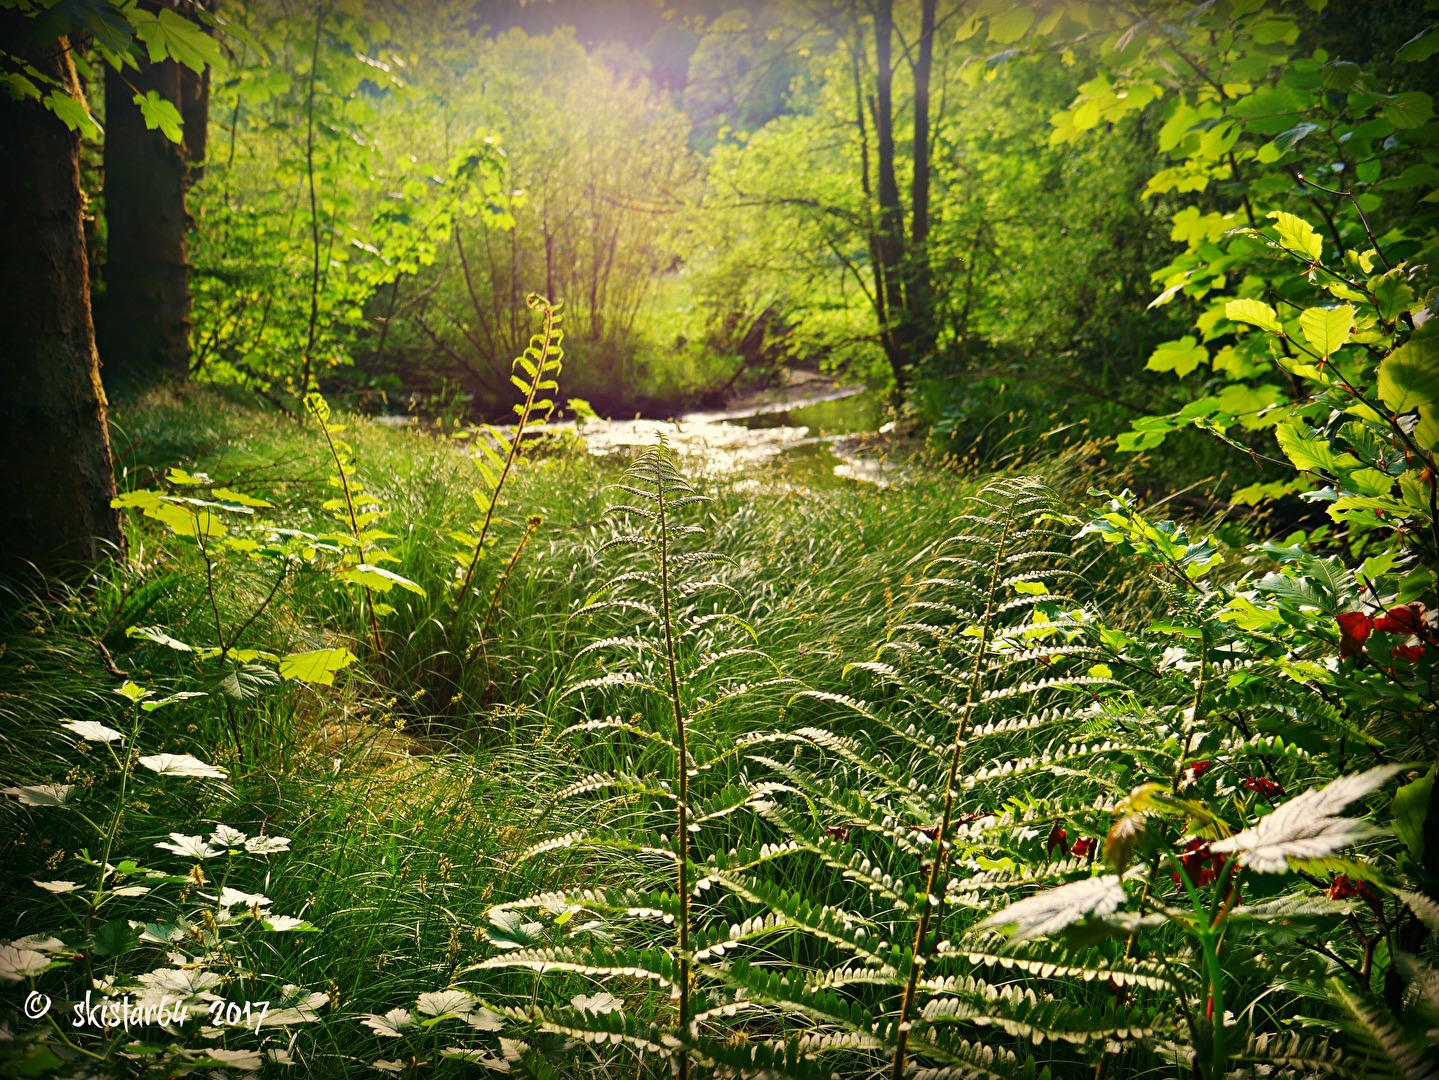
[{"x": 666, "y": 812}]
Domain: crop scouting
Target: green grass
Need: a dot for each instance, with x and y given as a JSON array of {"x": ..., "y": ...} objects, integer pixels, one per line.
[{"x": 408, "y": 787}]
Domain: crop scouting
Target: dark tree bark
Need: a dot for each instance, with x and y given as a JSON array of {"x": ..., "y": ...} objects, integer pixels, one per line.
[
  {"x": 890, "y": 239},
  {"x": 57, "y": 480},
  {"x": 195, "y": 116},
  {"x": 145, "y": 316},
  {"x": 919, "y": 296}
]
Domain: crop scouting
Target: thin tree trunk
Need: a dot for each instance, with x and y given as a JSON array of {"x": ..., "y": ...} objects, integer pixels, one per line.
[
  {"x": 891, "y": 215},
  {"x": 307, "y": 371},
  {"x": 919, "y": 295},
  {"x": 145, "y": 314},
  {"x": 57, "y": 483}
]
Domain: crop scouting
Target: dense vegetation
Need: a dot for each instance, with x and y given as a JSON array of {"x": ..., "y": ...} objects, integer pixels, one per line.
[{"x": 336, "y": 741}]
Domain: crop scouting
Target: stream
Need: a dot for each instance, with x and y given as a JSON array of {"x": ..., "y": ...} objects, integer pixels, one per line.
[{"x": 804, "y": 440}]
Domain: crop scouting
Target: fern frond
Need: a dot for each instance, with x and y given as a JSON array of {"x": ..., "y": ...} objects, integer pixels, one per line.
[
  {"x": 1051, "y": 960},
  {"x": 621, "y": 901},
  {"x": 1020, "y": 1014},
  {"x": 655, "y": 965},
  {"x": 1387, "y": 1050},
  {"x": 1309, "y": 1056},
  {"x": 638, "y": 845}
]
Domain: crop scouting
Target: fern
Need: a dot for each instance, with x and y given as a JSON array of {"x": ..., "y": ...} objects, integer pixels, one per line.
[
  {"x": 895, "y": 798},
  {"x": 358, "y": 510},
  {"x": 675, "y": 662},
  {"x": 495, "y": 453}
]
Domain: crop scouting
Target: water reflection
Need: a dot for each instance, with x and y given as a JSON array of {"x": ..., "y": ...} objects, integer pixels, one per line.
[{"x": 811, "y": 442}]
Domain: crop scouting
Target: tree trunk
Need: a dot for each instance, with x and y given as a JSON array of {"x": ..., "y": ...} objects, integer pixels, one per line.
[
  {"x": 890, "y": 241},
  {"x": 57, "y": 480},
  {"x": 145, "y": 324},
  {"x": 919, "y": 295},
  {"x": 195, "y": 118}
]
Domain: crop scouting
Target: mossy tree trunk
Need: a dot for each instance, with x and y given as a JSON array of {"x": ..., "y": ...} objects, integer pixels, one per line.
[{"x": 57, "y": 481}]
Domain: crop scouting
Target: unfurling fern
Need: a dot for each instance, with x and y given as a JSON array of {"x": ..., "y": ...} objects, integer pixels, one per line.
[
  {"x": 662, "y": 774},
  {"x": 358, "y": 511},
  {"x": 535, "y": 373}
]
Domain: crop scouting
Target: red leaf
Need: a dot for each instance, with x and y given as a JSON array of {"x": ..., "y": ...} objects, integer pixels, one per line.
[
  {"x": 1082, "y": 847},
  {"x": 1405, "y": 619},
  {"x": 1354, "y": 629},
  {"x": 1057, "y": 839},
  {"x": 1199, "y": 865},
  {"x": 1263, "y": 786},
  {"x": 1346, "y": 888}
]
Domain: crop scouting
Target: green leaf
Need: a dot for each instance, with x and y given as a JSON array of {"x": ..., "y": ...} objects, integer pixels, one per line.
[
  {"x": 73, "y": 113},
  {"x": 1255, "y": 312},
  {"x": 1409, "y": 376},
  {"x": 159, "y": 113},
  {"x": 239, "y": 498},
  {"x": 1274, "y": 31},
  {"x": 197, "y": 524},
  {"x": 1392, "y": 294},
  {"x": 1009, "y": 26},
  {"x": 1297, "y": 235},
  {"x": 1134, "y": 441},
  {"x": 1420, "y": 47},
  {"x": 315, "y": 667},
  {"x": 1327, "y": 329},
  {"x": 317, "y": 405},
  {"x": 1411, "y": 808},
  {"x": 18, "y": 87},
  {"x": 1341, "y": 75},
  {"x": 170, "y": 36},
  {"x": 1180, "y": 357},
  {"x": 115, "y": 938},
  {"x": 133, "y": 691},
  {"x": 379, "y": 579},
  {"x": 1411, "y": 110},
  {"x": 158, "y": 636},
  {"x": 1308, "y": 450}
]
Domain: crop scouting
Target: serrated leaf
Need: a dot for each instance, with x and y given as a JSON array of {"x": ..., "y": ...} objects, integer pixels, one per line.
[
  {"x": 1409, "y": 376},
  {"x": 1308, "y": 826},
  {"x": 92, "y": 731},
  {"x": 1327, "y": 329},
  {"x": 1298, "y": 235},
  {"x": 73, "y": 114},
  {"x": 1420, "y": 47},
  {"x": 181, "y": 765},
  {"x": 1054, "y": 909},
  {"x": 1180, "y": 357},
  {"x": 379, "y": 579},
  {"x": 170, "y": 36},
  {"x": 316, "y": 667},
  {"x": 1255, "y": 312},
  {"x": 40, "y": 794},
  {"x": 159, "y": 113}
]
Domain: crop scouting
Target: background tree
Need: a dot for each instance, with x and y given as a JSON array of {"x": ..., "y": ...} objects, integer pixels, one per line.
[
  {"x": 149, "y": 154},
  {"x": 59, "y": 478}
]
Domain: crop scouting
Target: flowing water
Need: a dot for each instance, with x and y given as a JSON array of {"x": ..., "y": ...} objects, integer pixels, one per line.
[{"x": 811, "y": 441}]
